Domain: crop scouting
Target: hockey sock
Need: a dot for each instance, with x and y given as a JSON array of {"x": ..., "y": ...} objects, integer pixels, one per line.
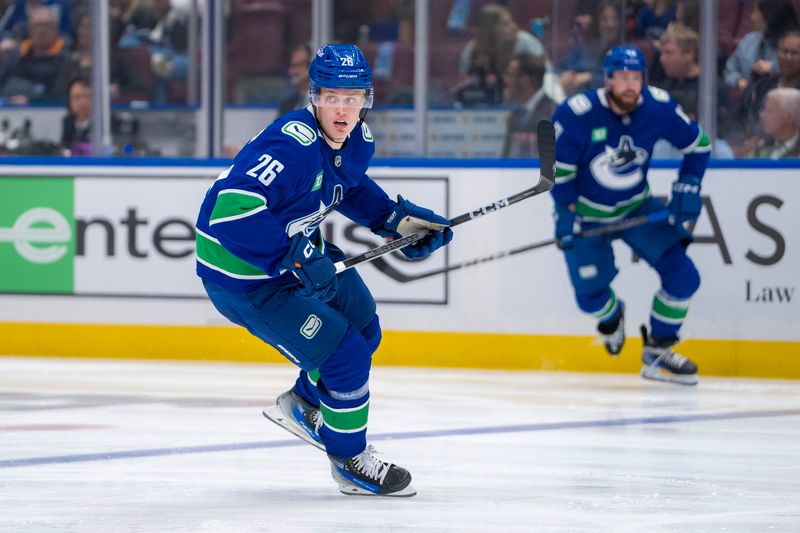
[
  {"x": 306, "y": 386},
  {"x": 344, "y": 396}
]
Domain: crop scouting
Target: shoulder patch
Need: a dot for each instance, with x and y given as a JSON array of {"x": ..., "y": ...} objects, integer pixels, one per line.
[
  {"x": 300, "y": 131},
  {"x": 579, "y": 104},
  {"x": 558, "y": 128},
  {"x": 659, "y": 95},
  {"x": 366, "y": 133}
]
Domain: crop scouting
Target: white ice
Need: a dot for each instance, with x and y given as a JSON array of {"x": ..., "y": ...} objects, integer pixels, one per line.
[{"x": 107, "y": 446}]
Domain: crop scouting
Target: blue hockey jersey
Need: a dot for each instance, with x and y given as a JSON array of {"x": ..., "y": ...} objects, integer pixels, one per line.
[
  {"x": 602, "y": 158},
  {"x": 286, "y": 180}
]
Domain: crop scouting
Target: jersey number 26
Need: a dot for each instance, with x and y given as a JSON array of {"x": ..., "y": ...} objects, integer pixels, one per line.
[{"x": 273, "y": 168}]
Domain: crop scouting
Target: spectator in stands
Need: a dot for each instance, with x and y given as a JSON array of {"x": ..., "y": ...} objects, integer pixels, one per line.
[
  {"x": 679, "y": 47},
  {"x": 485, "y": 58},
  {"x": 780, "y": 120},
  {"x": 581, "y": 67},
  {"x": 299, "y": 60},
  {"x": 653, "y": 18},
  {"x": 39, "y": 72},
  {"x": 678, "y": 57},
  {"x": 81, "y": 55},
  {"x": 744, "y": 123},
  {"x": 123, "y": 76},
  {"x": 137, "y": 14},
  {"x": 75, "y": 127},
  {"x": 756, "y": 54},
  {"x": 168, "y": 42},
  {"x": 14, "y": 22},
  {"x": 524, "y": 79}
]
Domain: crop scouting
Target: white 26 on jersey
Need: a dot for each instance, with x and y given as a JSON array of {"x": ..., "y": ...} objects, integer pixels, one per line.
[{"x": 271, "y": 168}]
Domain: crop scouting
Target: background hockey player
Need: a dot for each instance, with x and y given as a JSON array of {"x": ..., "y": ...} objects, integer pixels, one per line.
[
  {"x": 266, "y": 266},
  {"x": 604, "y": 141}
]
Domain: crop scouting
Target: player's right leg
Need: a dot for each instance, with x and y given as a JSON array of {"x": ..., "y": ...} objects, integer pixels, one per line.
[{"x": 590, "y": 263}]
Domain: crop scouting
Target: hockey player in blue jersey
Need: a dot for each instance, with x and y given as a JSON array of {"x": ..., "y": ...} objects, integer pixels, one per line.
[
  {"x": 266, "y": 266},
  {"x": 604, "y": 139}
]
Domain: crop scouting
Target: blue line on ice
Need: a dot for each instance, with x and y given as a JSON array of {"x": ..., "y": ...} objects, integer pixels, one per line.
[{"x": 518, "y": 428}]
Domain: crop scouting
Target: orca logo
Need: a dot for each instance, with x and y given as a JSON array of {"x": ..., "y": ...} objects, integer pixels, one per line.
[
  {"x": 310, "y": 222},
  {"x": 28, "y": 230},
  {"x": 619, "y": 168}
]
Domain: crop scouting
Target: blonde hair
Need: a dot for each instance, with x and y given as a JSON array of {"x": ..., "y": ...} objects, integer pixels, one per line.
[{"x": 684, "y": 38}]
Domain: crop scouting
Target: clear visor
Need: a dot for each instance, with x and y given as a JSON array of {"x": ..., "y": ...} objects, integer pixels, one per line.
[{"x": 350, "y": 99}]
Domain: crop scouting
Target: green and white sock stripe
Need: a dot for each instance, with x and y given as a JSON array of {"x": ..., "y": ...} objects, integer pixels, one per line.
[
  {"x": 596, "y": 212},
  {"x": 351, "y": 420},
  {"x": 669, "y": 309},
  {"x": 701, "y": 144},
  {"x": 313, "y": 376},
  {"x": 565, "y": 172},
  {"x": 234, "y": 204},
  {"x": 213, "y": 255},
  {"x": 608, "y": 309}
]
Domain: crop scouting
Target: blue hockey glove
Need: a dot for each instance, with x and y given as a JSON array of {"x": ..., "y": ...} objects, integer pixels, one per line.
[
  {"x": 407, "y": 218},
  {"x": 685, "y": 203},
  {"x": 565, "y": 221},
  {"x": 314, "y": 270}
]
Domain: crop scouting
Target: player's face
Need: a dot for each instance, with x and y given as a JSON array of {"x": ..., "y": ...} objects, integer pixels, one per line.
[
  {"x": 624, "y": 88},
  {"x": 338, "y": 110}
]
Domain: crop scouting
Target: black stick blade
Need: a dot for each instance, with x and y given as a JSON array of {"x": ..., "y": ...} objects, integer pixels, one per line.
[{"x": 546, "y": 139}]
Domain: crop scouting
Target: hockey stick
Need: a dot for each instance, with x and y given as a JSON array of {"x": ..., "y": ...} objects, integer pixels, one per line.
[
  {"x": 546, "y": 139},
  {"x": 594, "y": 232}
]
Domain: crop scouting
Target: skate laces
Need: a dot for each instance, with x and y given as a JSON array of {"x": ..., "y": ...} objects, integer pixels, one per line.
[
  {"x": 316, "y": 419},
  {"x": 668, "y": 357},
  {"x": 369, "y": 465}
]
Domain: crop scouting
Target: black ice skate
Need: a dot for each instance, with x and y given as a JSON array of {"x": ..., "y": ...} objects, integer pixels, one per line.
[
  {"x": 366, "y": 475},
  {"x": 613, "y": 333},
  {"x": 662, "y": 364},
  {"x": 297, "y": 416}
]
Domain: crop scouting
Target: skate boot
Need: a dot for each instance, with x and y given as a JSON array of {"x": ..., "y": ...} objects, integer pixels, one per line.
[
  {"x": 660, "y": 363},
  {"x": 366, "y": 475},
  {"x": 297, "y": 416},
  {"x": 613, "y": 333}
]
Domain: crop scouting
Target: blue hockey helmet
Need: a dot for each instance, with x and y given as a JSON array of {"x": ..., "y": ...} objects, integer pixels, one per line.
[
  {"x": 340, "y": 66},
  {"x": 624, "y": 57}
]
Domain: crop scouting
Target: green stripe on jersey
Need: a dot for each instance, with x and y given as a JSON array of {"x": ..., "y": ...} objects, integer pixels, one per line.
[
  {"x": 313, "y": 376},
  {"x": 594, "y": 211},
  {"x": 212, "y": 254},
  {"x": 565, "y": 173},
  {"x": 345, "y": 420},
  {"x": 234, "y": 204}
]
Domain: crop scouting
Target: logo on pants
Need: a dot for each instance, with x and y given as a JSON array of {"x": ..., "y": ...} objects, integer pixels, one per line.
[{"x": 311, "y": 326}]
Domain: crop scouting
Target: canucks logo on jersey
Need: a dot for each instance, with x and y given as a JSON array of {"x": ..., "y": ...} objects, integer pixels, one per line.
[{"x": 621, "y": 167}]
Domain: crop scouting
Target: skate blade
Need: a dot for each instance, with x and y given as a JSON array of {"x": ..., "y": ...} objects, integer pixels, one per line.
[
  {"x": 353, "y": 490},
  {"x": 276, "y": 415},
  {"x": 656, "y": 374}
]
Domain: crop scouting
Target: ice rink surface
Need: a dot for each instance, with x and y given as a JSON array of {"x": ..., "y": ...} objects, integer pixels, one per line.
[{"x": 107, "y": 446}]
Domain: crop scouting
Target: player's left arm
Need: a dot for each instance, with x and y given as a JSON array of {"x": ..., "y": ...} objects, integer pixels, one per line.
[
  {"x": 366, "y": 203},
  {"x": 687, "y": 135}
]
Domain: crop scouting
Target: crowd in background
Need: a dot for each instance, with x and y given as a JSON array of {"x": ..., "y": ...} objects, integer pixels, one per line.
[{"x": 526, "y": 56}]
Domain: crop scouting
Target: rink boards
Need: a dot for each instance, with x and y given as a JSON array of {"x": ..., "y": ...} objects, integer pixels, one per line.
[{"x": 98, "y": 260}]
